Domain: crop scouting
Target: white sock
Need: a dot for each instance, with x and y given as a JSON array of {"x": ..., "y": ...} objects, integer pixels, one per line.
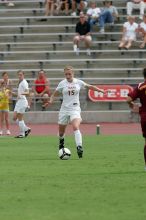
[
  {"x": 78, "y": 138},
  {"x": 22, "y": 128},
  {"x": 25, "y": 127}
]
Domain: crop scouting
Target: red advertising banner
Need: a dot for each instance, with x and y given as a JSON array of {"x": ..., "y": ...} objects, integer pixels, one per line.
[{"x": 114, "y": 93}]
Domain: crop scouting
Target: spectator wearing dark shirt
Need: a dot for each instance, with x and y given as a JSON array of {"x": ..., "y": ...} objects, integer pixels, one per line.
[
  {"x": 140, "y": 93},
  {"x": 82, "y": 34}
]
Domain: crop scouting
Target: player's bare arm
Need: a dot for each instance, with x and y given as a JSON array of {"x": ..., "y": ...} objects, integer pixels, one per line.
[
  {"x": 26, "y": 92},
  {"x": 55, "y": 94},
  {"x": 95, "y": 88}
]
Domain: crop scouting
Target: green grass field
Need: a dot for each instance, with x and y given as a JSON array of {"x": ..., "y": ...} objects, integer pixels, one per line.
[{"x": 109, "y": 183}]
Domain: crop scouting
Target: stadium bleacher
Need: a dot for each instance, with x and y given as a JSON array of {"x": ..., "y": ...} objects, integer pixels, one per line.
[{"x": 29, "y": 44}]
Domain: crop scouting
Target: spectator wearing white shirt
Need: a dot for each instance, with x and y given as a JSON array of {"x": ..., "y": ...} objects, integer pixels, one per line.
[
  {"x": 136, "y": 4},
  {"x": 104, "y": 15},
  {"x": 142, "y": 31},
  {"x": 93, "y": 14},
  {"x": 130, "y": 28},
  {"x": 8, "y": 3}
]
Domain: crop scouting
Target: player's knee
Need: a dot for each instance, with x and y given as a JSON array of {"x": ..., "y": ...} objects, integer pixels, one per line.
[{"x": 75, "y": 127}]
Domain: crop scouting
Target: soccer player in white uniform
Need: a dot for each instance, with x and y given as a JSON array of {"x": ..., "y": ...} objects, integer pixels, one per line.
[
  {"x": 21, "y": 106},
  {"x": 70, "y": 108}
]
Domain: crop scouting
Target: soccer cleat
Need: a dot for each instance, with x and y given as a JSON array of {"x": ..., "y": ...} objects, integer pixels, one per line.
[
  {"x": 19, "y": 136},
  {"x": 80, "y": 151},
  {"x": 1, "y": 132},
  {"x": 61, "y": 143},
  {"x": 145, "y": 168},
  {"x": 27, "y": 132}
]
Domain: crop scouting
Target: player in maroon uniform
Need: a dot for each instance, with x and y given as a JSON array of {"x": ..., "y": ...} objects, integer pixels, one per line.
[{"x": 140, "y": 92}]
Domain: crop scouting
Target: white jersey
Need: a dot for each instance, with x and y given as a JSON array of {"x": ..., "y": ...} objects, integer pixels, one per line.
[
  {"x": 94, "y": 12},
  {"x": 143, "y": 25},
  {"x": 23, "y": 86},
  {"x": 70, "y": 92},
  {"x": 130, "y": 30}
]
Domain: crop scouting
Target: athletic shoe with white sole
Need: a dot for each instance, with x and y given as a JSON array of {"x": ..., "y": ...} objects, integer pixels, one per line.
[
  {"x": 27, "y": 132},
  {"x": 19, "y": 136},
  {"x": 80, "y": 151}
]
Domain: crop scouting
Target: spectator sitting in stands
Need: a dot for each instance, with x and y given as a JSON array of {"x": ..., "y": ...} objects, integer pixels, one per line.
[
  {"x": 82, "y": 34},
  {"x": 9, "y": 3},
  {"x": 78, "y": 6},
  {"x": 142, "y": 31},
  {"x": 64, "y": 5},
  {"x": 108, "y": 15},
  {"x": 41, "y": 89},
  {"x": 130, "y": 28},
  {"x": 51, "y": 7},
  {"x": 136, "y": 4},
  {"x": 93, "y": 14}
]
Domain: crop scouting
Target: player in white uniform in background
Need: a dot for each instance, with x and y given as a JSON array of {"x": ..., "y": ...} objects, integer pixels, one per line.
[
  {"x": 70, "y": 108},
  {"x": 21, "y": 106}
]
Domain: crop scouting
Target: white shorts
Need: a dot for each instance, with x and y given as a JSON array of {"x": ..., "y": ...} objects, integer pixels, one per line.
[
  {"x": 129, "y": 37},
  {"x": 21, "y": 106},
  {"x": 66, "y": 117}
]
